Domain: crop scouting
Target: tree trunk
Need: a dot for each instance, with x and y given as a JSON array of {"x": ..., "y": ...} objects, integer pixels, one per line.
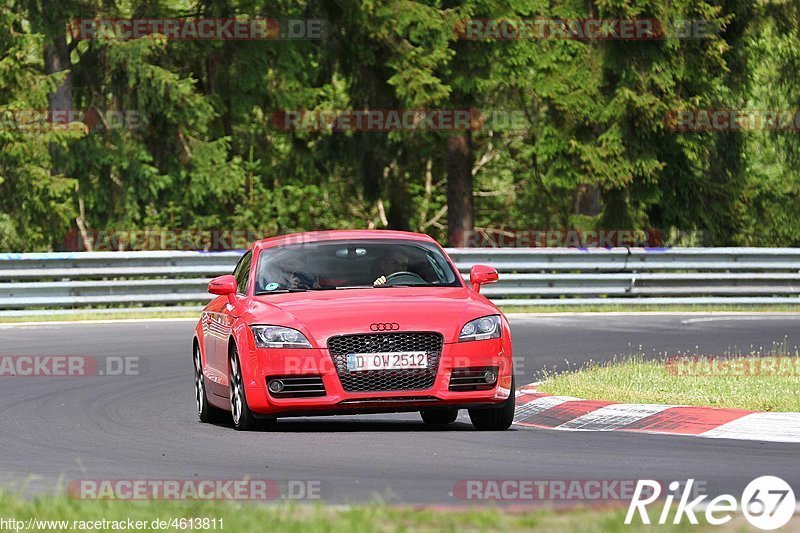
[
  {"x": 458, "y": 162},
  {"x": 56, "y": 59},
  {"x": 586, "y": 200},
  {"x": 399, "y": 202}
]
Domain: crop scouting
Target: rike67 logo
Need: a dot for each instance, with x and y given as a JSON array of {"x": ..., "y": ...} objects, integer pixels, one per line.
[{"x": 768, "y": 502}]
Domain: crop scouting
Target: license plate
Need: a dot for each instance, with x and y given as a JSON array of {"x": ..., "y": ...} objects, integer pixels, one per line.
[{"x": 360, "y": 362}]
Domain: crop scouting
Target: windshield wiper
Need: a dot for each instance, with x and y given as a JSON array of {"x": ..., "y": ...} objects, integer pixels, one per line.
[
  {"x": 280, "y": 291},
  {"x": 343, "y": 287},
  {"x": 406, "y": 285}
]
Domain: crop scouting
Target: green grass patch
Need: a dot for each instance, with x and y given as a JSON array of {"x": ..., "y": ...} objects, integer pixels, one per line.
[
  {"x": 757, "y": 382},
  {"x": 319, "y": 517}
]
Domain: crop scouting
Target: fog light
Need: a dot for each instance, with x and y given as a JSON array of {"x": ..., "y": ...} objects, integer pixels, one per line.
[
  {"x": 490, "y": 376},
  {"x": 275, "y": 386}
]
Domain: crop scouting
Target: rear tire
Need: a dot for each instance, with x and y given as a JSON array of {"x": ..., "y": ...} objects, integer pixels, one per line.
[
  {"x": 206, "y": 412},
  {"x": 495, "y": 418},
  {"x": 243, "y": 419},
  {"x": 439, "y": 416}
]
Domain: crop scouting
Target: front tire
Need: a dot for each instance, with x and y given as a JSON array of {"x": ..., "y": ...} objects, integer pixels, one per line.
[
  {"x": 439, "y": 416},
  {"x": 243, "y": 418},
  {"x": 495, "y": 418},
  {"x": 206, "y": 412}
]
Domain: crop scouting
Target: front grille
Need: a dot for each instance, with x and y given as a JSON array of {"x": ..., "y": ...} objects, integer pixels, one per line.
[
  {"x": 386, "y": 380},
  {"x": 471, "y": 379},
  {"x": 299, "y": 387}
]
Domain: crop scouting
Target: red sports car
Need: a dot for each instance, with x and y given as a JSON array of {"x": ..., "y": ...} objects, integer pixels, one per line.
[{"x": 343, "y": 322}]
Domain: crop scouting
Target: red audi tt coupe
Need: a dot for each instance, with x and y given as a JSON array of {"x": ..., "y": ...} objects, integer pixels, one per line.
[{"x": 343, "y": 322}]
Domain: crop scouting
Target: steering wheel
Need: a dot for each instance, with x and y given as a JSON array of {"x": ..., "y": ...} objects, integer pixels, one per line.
[{"x": 403, "y": 277}]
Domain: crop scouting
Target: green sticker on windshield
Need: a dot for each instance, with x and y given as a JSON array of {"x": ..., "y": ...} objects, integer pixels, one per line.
[{"x": 271, "y": 286}]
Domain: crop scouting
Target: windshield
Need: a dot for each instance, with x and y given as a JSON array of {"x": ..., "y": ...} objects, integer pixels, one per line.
[{"x": 353, "y": 264}]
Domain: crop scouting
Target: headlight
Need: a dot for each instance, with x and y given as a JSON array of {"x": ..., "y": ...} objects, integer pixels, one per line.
[
  {"x": 279, "y": 337},
  {"x": 480, "y": 329}
]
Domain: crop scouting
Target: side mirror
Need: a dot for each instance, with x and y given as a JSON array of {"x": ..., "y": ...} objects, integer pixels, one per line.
[
  {"x": 481, "y": 274},
  {"x": 223, "y": 286}
]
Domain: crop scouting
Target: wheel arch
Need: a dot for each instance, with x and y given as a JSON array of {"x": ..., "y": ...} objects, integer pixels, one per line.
[
  {"x": 197, "y": 345},
  {"x": 241, "y": 339}
]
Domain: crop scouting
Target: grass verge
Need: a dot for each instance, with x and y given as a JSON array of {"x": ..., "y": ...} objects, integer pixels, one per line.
[
  {"x": 312, "y": 518},
  {"x": 79, "y": 316},
  {"x": 758, "y": 383}
]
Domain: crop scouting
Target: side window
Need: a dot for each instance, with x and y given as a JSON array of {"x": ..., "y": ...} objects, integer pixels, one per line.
[{"x": 242, "y": 272}]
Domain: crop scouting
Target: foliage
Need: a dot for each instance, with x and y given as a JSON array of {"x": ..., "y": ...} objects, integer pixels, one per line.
[{"x": 593, "y": 149}]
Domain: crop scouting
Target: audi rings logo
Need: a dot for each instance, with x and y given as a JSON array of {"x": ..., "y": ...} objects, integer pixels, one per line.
[{"x": 384, "y": 326}]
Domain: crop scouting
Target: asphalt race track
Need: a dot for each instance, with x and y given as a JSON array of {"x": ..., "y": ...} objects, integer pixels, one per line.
[{"x": 53, "y": 430}]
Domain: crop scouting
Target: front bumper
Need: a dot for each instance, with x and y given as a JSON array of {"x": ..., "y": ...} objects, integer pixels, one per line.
[{"x": 268, "y": 363}]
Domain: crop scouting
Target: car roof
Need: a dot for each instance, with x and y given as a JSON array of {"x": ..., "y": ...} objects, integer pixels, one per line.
[{"x": 337, "y": 235}]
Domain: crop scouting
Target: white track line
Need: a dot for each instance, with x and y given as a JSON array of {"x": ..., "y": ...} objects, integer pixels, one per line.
[
  {"x": 769, "y": 427},
  {"x": 45, "y": 323},
  {"x": 538, "y": 405},
  {"x": 731, "y": 318},
  {"x": 612, "y": 417},
  {"x": 721, "y": 315}
]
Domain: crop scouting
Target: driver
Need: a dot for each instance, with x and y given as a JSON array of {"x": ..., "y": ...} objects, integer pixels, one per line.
[
  {"x": 395, "y": 261},
  {"x": 296, "y": 275}
]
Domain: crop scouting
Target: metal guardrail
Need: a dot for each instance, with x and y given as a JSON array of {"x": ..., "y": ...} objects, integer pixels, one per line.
[{"x": 33, "y": 283}]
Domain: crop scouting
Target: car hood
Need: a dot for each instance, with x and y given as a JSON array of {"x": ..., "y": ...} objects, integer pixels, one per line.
[{"x": 323, "y": 314}]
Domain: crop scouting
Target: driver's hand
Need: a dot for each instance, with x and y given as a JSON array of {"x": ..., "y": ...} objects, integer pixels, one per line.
[{"x": 380, "y": 281}]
